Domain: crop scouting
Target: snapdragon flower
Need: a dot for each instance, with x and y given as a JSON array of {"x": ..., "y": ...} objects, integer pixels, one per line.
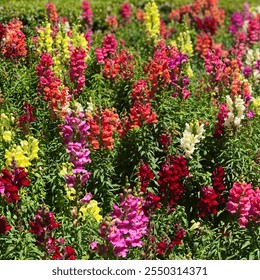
[{"x": 191, "y": 136}]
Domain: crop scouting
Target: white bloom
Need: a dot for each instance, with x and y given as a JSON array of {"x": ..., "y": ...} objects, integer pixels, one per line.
[
  {"x": 189, "y": 139},
  {"x": 252, "y": 56},
  {"x": 240, "y": 108}
]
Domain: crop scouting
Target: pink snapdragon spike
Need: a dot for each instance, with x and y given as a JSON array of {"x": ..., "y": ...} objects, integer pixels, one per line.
[
  {"x": 75, "y": 131},
  {"x": 87, "y": 13},
  {"x": 244, "y": 201},
  {"x": 109, "y": 47},
  {"x": 77, "y": 69},
  {"x": 126, "y": 12},
  {"x": 125, "y": 231}
]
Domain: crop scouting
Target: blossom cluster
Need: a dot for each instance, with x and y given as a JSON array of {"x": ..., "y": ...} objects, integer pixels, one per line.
[
  {"x": 6, "y": 127},
  {"x": 11, "y": 182},
  {"x": 42, "y": 227},
  {"x": 126, "y": 229},
  {"x": 167, "y": 68},
  {"x": 87, "y": 13},
  {"x": 56, "y": 94},
  {"x": 212, "y": 197},
  {"x": 164, "y": 246},
  {"x": 24, "y": 153},
  {"x": 26, "y": 118},
  {"x": 191, "y": 136},
  {"x": 12, "y": 40},
  {"x": 77, "y": 68},
  {"x": 116, "y": 63},
  {"x": 171, "y": 175},
  {"x": 126, "y": 12},
  {"x": 152, "y": 21},
  {"x": 244, "y": 201},
  {"x": 4, "y": 227},
  {"x": 75, "y": 131},
  {"x": 141, "y": 111},
  {"x": 103, "y": 126}
]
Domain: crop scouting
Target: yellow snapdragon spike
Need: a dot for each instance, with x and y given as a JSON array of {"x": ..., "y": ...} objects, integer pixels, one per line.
[
  {"x": 90, "y": 209},
  {"x": 45, "y": 40},
  {"x": 66, "y": 169},
  {"x": 33, "y": 147},
  {"x": 184, "y": 43},
  {"x": 78, "y": 40},
  {"x": 256, "y": 105},
  {"x": 16, "y": 153},
  {"x": 6, "y": 121},
  {"x": 7, "y": 136},
  {"x": 71, "y": 192},
  {"x": 24, "y": 153},
  {"x": 152, "y": 21}
]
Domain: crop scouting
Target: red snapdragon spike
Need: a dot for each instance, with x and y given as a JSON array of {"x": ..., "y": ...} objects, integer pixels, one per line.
[
  {"x": 171, "y": 175},
  {"x": 4, "y": 227},
  {"x": 103, "y": 125},
  {"x": 162, "y": 248},
  {"x": 67, "y": 253},
  {"x": 208, "y": 202},
  {"x": 146, "y": 175},
  {"x": 50, "y": 86},
  {"x": 12, "y": 181},
  {"x": 204, "y": 44},
  {"x": 25, "y": 119},
  {"x": 12, "y": 40},
  {"x": 52, "y": 13},
  {"x": 141, "y": 114}
]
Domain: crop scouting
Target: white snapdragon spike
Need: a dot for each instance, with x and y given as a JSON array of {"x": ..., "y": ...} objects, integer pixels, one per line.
[
  {"x": 79, "y": 107},
  {"x": 256, "y": 75},
  {"x": 245, "y": 25},
  {"x": 90, "y": 107},
  {"x": 230, "y": 119},
  {"x": 189, "y": 139},
  {"x": 255, "y": 10},
  {"x": 239, "y": 105},
  {"x": 252, "y": 56}
]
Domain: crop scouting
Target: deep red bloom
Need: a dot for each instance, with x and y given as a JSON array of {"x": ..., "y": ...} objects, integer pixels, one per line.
[
  {"x": 146, "y": 175},
  {"x": 218, "y": 174},
  {"x": 152, "y": 202},
  {"x": 4, "y": 227},
  {"x": 25, "y": 119},
  {"x": 161, "y": 247},
  {"x": 12, "y": 181},
  {"x": 178, "y": 236},
  {"x": 208, "y": 201},
  {"x": 171, "y": 175},
  {"x": 67, "y": 253},
  {"x": 44, "y": 223}
]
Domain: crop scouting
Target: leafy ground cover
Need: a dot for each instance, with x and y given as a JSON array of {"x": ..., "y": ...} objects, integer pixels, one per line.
[{"x": 129, "y": 130}]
